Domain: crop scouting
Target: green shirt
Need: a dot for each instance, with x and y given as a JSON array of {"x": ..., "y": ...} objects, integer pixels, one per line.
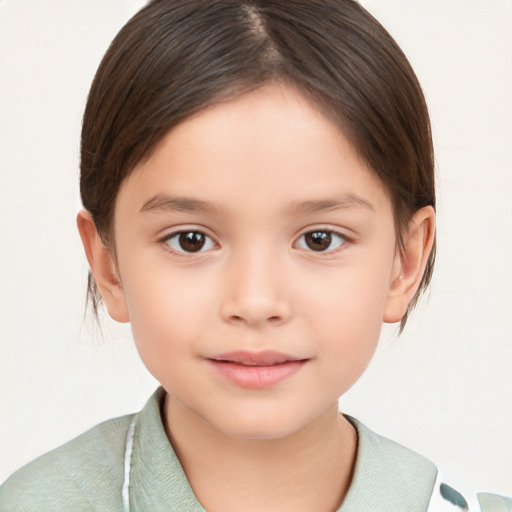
[{"x": 87, "y": 474}]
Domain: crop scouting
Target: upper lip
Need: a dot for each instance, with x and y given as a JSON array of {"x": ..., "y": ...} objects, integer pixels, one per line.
[{"x": 263, "y": 358}]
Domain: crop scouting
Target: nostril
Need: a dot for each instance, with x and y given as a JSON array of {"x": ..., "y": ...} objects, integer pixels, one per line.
[{"x": 237, "y": 319}]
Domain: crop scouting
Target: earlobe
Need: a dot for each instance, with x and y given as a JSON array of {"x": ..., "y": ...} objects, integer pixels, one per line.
[
  {"x": 410, "y": 263},
  {"x": 103, "y": 267}
]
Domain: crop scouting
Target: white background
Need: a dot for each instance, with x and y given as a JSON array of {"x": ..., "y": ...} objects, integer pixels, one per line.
[{"x": 443, "y": 388}]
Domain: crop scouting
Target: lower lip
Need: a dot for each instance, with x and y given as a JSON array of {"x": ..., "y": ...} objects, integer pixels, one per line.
[{"x": 256, "y": 377}]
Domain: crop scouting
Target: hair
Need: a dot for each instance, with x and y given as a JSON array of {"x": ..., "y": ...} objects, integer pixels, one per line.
[{"x": 177, "y": 57}]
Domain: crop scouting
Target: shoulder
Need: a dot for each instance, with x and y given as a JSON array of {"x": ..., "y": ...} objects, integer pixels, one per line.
[
  {"x": 389, "y": 476},
  {"x": 384, "y": 455},
  {"x": 77, "y": 475}
]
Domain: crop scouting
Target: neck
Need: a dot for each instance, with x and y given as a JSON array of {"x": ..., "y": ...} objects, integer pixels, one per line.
[{"x": 310, "y": 469}]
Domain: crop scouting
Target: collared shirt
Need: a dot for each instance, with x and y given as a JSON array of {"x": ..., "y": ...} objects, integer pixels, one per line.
[{"x": 88, "y": 473}]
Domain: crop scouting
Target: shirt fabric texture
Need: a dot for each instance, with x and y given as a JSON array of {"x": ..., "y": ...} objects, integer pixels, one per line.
[{"x": 87, "y": 474}]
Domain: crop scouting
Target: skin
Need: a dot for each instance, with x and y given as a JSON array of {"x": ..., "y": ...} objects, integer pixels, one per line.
[{"x": 256, "y": 174}]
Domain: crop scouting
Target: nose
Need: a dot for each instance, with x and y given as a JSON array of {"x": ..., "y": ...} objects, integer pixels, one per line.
[{"x": 255, "y": 292}]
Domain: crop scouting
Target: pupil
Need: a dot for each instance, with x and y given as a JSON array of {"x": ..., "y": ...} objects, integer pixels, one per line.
[
  {"x": 192, "y": 241},
  {"x": 318, "y": 240}
]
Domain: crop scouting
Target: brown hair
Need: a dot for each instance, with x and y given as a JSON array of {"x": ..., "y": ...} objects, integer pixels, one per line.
[{"x": 176, "y": 57}]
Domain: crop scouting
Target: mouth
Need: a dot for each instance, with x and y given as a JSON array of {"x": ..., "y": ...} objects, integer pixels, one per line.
[{"x": 256, "y": 370}]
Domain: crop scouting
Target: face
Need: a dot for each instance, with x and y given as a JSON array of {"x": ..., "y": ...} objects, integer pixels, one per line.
[{"x": 256, "y": 253}]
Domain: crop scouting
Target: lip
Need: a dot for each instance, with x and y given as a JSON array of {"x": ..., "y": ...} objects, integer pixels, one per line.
[{"x": 256, "y": 370}]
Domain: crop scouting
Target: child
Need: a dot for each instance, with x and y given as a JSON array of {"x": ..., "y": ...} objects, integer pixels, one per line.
[{"x": 257, "y": 179}]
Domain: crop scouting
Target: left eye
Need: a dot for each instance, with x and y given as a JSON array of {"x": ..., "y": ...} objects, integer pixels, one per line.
[
  {"x": 320, "y": 241},
  {"x": 189, "y": 242}
]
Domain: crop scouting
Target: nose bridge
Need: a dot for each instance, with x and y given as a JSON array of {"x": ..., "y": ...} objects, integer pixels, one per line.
[{"x": 255, "y": 293}]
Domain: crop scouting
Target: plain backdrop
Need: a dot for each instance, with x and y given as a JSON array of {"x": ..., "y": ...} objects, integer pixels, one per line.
[{"x": 443, "y": 388}]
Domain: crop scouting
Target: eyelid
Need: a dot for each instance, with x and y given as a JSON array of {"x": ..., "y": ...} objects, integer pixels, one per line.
[
  {"x": 170, "y": 231},
  {"x": 344, "y": 232}
]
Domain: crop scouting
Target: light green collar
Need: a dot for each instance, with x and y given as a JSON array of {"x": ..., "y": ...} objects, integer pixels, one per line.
[{"x": 387, "y": 476}]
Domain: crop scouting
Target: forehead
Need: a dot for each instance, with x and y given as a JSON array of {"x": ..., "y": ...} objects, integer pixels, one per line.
[{"x": 270, "y": 145}]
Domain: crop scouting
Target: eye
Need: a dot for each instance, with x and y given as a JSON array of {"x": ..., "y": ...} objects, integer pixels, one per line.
[
  {"x": 189, "y": 242},
  {"x": 321, "y": 240}
]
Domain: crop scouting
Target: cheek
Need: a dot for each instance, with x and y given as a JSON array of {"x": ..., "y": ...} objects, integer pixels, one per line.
[
  {"x": 347, "y": 315},
  {"x": 169, "y": 312},
  {"x": 351, "y": 297}
]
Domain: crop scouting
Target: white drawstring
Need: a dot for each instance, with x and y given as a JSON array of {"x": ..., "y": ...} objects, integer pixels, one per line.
[{"x": 127, "y": 466}]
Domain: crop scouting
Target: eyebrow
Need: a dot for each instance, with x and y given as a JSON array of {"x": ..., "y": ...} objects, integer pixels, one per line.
[
  {"x": 346, "y": 201},
  {"x": 166, "y": 203}
]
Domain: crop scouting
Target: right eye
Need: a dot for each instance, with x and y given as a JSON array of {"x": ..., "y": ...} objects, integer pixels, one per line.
[{"x": 189, "y": 242}]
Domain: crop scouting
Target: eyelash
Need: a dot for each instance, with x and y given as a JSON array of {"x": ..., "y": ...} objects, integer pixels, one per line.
[{"x": 210, "y": 243}]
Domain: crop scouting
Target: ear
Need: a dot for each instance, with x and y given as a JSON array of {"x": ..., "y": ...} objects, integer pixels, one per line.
[
  {"x": 103, "y": 267},
  {"x": 410, "y": 262}
]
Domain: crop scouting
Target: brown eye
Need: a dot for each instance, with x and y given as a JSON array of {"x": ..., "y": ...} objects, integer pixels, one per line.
[
  {"x": 189, "y": 242},
  {"x": 320, "y": 241},
  {"x": 192, "y": 241}
]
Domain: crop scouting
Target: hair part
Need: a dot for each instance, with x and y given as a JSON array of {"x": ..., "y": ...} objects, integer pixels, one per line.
[{"x": 177, "y": 57}]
